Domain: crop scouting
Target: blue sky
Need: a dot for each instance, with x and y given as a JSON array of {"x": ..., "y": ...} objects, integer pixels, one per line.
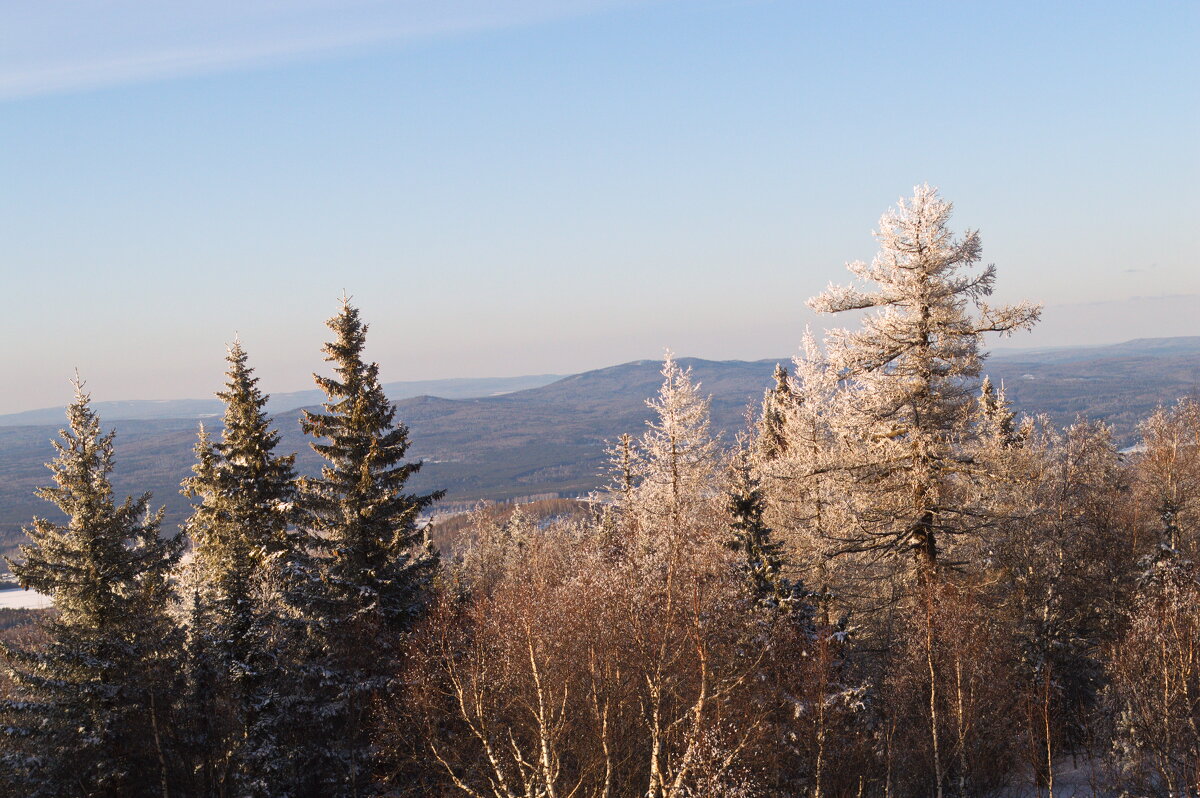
[{"x": 532, "y": 187}]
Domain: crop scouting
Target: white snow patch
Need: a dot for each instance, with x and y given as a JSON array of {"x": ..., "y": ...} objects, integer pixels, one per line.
[{"x": 23, "y": 600}]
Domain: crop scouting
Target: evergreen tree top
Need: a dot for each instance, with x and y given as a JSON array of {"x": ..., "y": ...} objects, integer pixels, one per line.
[
  {"x": 79, "y": 726},
  {"x": 246, "y": 491},
  {"x": 780, "y": 375},
  {"x": 87, "y": 564},
  {"x": 358, "y": 509},
  {"x": 245, "y": 404},
  {"x": 914, "y": 360},
  {"x": 359, "y": 419}
]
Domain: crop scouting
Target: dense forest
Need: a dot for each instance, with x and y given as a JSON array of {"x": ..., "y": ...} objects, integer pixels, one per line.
[{"x": 890, "y": 584}]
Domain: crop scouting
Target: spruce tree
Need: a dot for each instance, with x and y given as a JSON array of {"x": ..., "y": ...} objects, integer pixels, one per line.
[
  {"x": 202, "y": 709},
  {"x": 374, "y": 567},
  {"x": 997, "y": 421},
  {"x": 243, "y": 547},
  {"x": 91, "y": 704},
  {"x": 761, "y": 556},
  {"x": 677, "y": 458},
  {"x": 771, "y": 439}
]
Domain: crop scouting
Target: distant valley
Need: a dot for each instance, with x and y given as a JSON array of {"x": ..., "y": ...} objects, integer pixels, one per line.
[{"x": 499, "y": 439}]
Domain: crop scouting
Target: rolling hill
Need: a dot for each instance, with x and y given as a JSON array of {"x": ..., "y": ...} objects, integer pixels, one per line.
[
  {"x": 548, "y": 438},
  {"x": 150, "y": 409}
]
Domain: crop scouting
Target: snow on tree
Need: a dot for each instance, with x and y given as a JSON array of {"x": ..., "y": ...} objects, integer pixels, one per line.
[
  {"x": 794, "y": 456},
  {"x": 677, "y": 456},
  {"x": 771, "y": 440},
  {"x": 373, "y": 565},
  {"x": 1169, "y": 471},
  {"x": 243, "y": 545},
  {"x": 623, "y": 459},
  {"x": 760, "y": 555},
  {"x": 89, "y": 708},
  {"x": 997, "y": 421},
  {"x": 1153, "y": 683},
  {"x": 615, "y": 502},
  {"x": 898, "y": 411},
  {"x": 909, "y": 373}
]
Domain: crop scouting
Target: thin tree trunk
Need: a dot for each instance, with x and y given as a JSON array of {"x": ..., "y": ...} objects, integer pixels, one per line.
[
  {"x": 162, "y": 760},
  {"x": 962, "y": 728},
  {"x": 1049, "y": 741},
  {"x": 933, "y": 715},
  {"x": 820, "y": 765}
]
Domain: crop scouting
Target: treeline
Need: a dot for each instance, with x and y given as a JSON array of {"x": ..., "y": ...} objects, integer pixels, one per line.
[{"x": 890, "y": 585}]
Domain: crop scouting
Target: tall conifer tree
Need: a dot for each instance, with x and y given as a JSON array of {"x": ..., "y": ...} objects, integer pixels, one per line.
[
  {"x": 375, "y": 568},
  {"x": 760, "y": 555},
  {"x": 908, "y": 374},
  {"x": 677, "y": 455},
  {"x": 89, "y": 714},
  {"x": 771, "y": 440},
  {"x": 243, "y": 546}
]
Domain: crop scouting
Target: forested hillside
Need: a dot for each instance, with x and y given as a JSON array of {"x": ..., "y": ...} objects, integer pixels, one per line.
[{"x": 550, "y": 439}]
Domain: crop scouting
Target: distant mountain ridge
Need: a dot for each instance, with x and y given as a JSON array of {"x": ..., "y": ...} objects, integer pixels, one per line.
[
  {"x": 1119, "y": 384},
  {"x": 147, "y": 409},
  {"x": 1139, "y": 347},
  {"x": 549, "y": 439}
]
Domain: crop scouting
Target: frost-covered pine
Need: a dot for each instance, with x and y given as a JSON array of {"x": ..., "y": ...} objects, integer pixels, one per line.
[
  {"x": 1169, "y": 472},
  {"x": 909, "y": 372},
  {"x": 373, "y": 567},
  {"x": 1001, "y": 458},
  {"x": 807, "y": 424},
  {"x": 91, "y": 704},
  {"x": 771, "y": 439},
  {"x": 798, "y": 475},
  {"x": 623, "y": 465},
  {"x": 243, "y": 548},
  {"x": 997, "y": 421},
  {"x": 677, "y": 456}
]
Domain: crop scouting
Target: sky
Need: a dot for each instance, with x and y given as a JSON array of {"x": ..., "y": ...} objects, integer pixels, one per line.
[{"x": 548, "y": 186}]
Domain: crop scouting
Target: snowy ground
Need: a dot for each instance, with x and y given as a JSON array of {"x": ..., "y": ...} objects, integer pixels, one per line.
[
  {"x": 1078, "y": 779},
  {"x": 22, "y": 600}
]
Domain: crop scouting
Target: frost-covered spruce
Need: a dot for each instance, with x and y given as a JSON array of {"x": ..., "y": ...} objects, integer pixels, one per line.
[
  {"x": 372, "y": 563},
  {"x": 660, "y": 483},
  {"x": 908, "y": 374},
  {"x": 997, "y": 421},
  {"x": 243, "y": 548},
  {"x": 794, "y": 455},
  {"x": 90, "y": 706},
  {"x": 1169, "y": 473},
  {"x": 677, "y": 460},
  {"x": 770, "y": 437}
]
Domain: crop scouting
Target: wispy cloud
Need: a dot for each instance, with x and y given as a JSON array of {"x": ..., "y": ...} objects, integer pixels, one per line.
[{"x": 51, "y": 47}]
